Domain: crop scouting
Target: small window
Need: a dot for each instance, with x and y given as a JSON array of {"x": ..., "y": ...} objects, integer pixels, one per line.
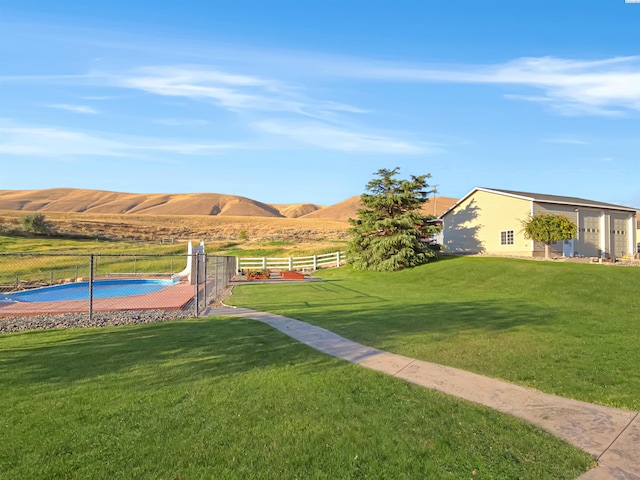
[{"x": 506, "y": 237}]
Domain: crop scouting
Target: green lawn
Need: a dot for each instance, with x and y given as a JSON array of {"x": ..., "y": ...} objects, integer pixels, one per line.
[
  {"x": 233, "y": 399},
  {"x": 564, "y": 328}
]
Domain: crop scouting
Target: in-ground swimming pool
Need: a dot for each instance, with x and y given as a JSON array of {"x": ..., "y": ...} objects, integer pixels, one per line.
[{"x": 80, "y": 291}]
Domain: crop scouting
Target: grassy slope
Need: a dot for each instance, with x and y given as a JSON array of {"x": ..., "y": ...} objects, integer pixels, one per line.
[
  {"x": 230, "y": 398},
  {"x": 567, "y": 329},
  {"x": 208, "y": 227}
]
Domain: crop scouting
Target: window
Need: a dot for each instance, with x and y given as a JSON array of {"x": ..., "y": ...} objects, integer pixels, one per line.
[{"x": 506, "y": 237}]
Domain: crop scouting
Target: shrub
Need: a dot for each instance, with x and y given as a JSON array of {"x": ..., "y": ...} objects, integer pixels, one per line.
[{"x": 36, "y": 223}]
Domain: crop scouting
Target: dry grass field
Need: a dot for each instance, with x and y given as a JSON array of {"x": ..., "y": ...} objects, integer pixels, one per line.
[{"x": 183, "y": 227}]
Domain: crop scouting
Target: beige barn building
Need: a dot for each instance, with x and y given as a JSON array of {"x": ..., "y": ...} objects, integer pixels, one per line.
[{"x": 490, "y": 221}]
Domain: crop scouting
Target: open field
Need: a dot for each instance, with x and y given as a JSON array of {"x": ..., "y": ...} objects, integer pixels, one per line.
[
  {"x": 166, "y": 227},
  {"x": 44, "y": 245},
  {"x": 563, "y": 328},
  {"x": 231, "y": 398}
]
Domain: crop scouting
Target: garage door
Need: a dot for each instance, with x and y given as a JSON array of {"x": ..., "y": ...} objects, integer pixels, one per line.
[
  {"x": 589, "y": 235},
  {"x": 619, "y": 234}
]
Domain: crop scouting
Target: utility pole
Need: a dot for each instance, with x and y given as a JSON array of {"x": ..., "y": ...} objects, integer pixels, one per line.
[{"x": 434, "y": 200}]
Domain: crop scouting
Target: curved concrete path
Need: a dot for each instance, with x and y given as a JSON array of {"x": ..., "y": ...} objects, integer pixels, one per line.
[{"x": 611, "y": 435}]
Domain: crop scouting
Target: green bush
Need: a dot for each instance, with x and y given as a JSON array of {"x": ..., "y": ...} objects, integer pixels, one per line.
[{"x": 36, "y": 223}]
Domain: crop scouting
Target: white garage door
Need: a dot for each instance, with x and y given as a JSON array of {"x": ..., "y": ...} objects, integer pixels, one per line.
[
  {"x": 589, "y": 235},
  {"x": 619, "y": 235}
]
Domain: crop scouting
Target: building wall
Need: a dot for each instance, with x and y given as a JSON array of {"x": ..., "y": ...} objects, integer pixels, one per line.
[
  {"x": 600, "y": 231},
  {"x": 553, "y": 208},
  {"x": 476, "y": 225}
]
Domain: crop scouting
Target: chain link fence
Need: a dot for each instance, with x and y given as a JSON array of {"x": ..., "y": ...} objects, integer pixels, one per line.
[{"x": 91, "y": 284}]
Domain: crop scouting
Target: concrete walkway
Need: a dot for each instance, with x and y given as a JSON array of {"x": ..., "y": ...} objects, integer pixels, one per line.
[{"x": 611, "y": 435}]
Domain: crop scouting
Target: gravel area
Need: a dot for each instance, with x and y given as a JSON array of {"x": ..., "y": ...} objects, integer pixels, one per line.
[
  {"x": 81, "y": 320},
  {"x": 100, "y": 319}
]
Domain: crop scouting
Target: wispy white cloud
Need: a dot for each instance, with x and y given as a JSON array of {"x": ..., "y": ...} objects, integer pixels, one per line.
[
  {"x": 55, "y": 142},
  {"x": 61, "y": 143},
  {"x": 230, "y": 91},
  {"x": 608, "y": 87},
  {"x": 333, "y": 138},
  {"x": 45, "y": 78},
  {"x": 74, "y": 108},
  {"x": 573, "y": 87}
]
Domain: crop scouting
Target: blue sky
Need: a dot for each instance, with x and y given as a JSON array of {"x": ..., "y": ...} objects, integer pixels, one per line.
[{"x": 301, "y": 101}]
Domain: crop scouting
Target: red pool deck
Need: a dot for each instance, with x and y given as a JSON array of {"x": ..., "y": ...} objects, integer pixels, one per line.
[{"x": 174, "y": 297}]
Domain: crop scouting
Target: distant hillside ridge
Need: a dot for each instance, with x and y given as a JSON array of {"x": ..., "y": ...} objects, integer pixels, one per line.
[
  {"x": 349, "y": 208},
  {"x": 296, "y": 210},
  {"x": 72, "y": 200},
  {"x": 69, "y": 200}
]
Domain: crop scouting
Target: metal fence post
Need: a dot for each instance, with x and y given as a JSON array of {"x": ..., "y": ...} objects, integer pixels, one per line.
[
  {"x": 91, "y": 287},
  {"x": 206, "y": 292},
  {"x": 197, "y": 281},
  {"x": 215, "y": 277}
]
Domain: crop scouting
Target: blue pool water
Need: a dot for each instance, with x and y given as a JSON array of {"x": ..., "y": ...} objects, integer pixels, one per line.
[{"x": 80, "y": 290}]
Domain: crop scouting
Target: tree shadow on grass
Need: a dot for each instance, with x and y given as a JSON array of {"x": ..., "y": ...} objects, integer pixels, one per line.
[
  {"x": 179, "y": 351},
  {"x": 373, "y": 316},
  {"x": 335, "y": 304}
]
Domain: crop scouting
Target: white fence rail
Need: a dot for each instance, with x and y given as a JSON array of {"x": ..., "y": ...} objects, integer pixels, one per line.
[{"x": 311, "y": 262}]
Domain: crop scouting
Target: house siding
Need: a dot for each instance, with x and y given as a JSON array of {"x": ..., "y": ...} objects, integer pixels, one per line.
[{"x": 475, "y": 225}]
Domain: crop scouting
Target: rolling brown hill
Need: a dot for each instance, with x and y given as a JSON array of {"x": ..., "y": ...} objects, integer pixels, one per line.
[
  {"x": 68, "y": 200},
  {"x": 296, "y": 210},
  {"x": 349, "y": 208}
]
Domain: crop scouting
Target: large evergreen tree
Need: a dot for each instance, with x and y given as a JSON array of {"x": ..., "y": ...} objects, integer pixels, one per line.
[{"x": 391, "y": 232}]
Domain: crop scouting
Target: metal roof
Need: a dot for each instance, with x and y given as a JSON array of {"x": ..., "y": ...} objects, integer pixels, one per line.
[
  {"x": 544, "y": 198},
  {"x": 539, "y": 197}
]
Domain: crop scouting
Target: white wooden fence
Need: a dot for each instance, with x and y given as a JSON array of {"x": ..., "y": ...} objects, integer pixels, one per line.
[{"x": 309, "y": 263}]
